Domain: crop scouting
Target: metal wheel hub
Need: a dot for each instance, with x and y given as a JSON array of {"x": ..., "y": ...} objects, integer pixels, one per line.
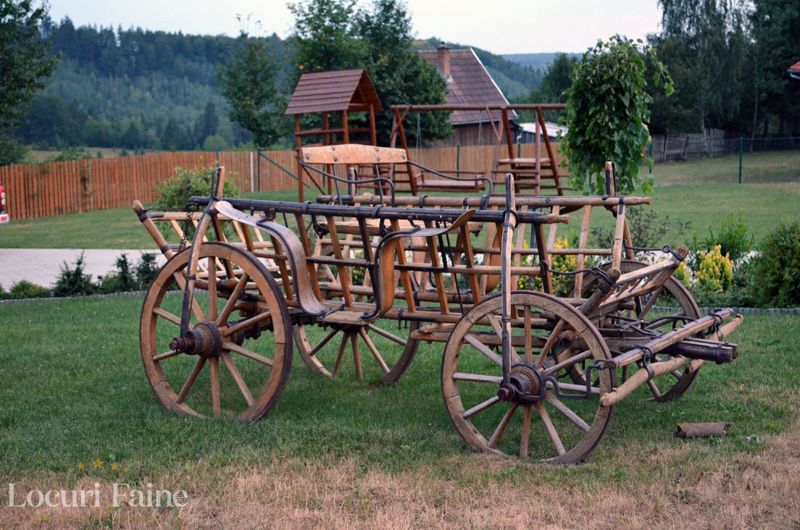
[
  {"x": 204, "y": 340},
  {"x": 526, "y": 385}
]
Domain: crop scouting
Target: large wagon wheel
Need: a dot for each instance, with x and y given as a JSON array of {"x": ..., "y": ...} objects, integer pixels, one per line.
[
  {"x": 221, "y": 370},
  {"x": 672, "y": 305},
  {"x": 542, "y": 324},
  {"x": 372, "y": 351}
]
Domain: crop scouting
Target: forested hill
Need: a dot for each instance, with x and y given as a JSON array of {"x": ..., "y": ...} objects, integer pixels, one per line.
[
  {"x": 136, "y": 89},
  {"x": 150, "y": 89}
]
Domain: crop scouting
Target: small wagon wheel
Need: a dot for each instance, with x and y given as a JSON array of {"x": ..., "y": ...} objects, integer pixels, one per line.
[
  {"x": 671, "y": 305},
  {"x": 219, "y": 369},
  {"x": 567, "y": 430},
  {"x": 372, "y": 351}
]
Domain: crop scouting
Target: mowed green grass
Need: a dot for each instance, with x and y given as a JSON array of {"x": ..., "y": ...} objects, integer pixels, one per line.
[
  {"x": 74, "y": 393},
  {"x": 765, "y": 167}
]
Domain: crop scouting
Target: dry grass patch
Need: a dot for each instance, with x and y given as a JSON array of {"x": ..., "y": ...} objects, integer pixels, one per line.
[{"x": 693, "y": 485}]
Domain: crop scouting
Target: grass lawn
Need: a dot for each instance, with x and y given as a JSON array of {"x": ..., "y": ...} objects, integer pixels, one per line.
[
  {"x": 334, "y": 453},
  {"x": 766, "y": 167}
]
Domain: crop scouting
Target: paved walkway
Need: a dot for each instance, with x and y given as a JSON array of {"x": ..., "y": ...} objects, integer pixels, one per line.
[{"x": 42, "y": 265}]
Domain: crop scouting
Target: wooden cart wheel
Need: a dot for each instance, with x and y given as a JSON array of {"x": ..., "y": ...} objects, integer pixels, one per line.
[
  {"x": 375, "y": 352},
  {"x": 668, "y": 304},
  {"x": 225, "y": 372},
  {"x": 566, "y": 430}
]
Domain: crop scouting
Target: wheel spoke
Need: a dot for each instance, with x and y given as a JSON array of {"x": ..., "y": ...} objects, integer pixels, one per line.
[
  {"x": 551, "y": 340},
  {"x": 237, "y": 377},
  {"x": 501, "y": 427},
  {"x": 374, "y": 350},
  {"x": 527, "y": 335},
  {"x": 494, "y": 320},
  {"x": 551, "y": 429},
  {"x": 526, "y": 432},
  {"x": 216, "y": 404},
  {"x": 198, "y": 313},
  {"x": 233, "y": 347},
  {"x": 229, "y": 305},
  {"x": 247, "y": 323},
  {"x": 357, "y": 357},
  {"x": 323, "y": 342},
  {"x": 212, "y": 288},
  {"x": 166, "y": 355},
  {"x": 478, "y": 345},
  {"x": 198, "y": 367},
  {"x": 480, "y": 407},
  {"x": 166, "y": 315},
  {"x": 567, "y": 362},
  {"x": 566, "y": 411},
  {"x": 390, "y": 336},
  {"x": 340, "y": 354},
  {"x": 478, "y": 378}
]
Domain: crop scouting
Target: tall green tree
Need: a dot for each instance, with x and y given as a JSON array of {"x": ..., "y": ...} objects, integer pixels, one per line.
[
  {"x": 776, "y": 37},
  {"x": 25, "y": 64},
  {"x": 324, "y": 35},
  {"x": 705, "y": 43},
  {"x": 248, "y": 84},
  {"x": 608, "y": 114},
  {"x": 206, "y": 124},
  {"x": 557, "y": 79},
  {"x": 399, "y": 74}
]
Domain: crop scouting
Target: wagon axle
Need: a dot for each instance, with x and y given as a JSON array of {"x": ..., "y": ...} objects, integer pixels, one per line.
[
  {"x": 526, "y": 385},
  {"x": 204, "y": 340}
]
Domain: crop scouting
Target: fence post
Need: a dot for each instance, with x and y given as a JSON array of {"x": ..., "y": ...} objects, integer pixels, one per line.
[{"x": 741, "y": 155}]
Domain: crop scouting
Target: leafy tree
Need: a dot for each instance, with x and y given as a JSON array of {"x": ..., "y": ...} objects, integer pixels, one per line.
[
  {"x": 776, "y": 36},
  {"x": 324, "y": 36},
  {"x": 556, "y": 80},
  {"x": 52, "y": 122},
  {"x": 607, "y": 113},
  {"x": 248, "y": 84},
  {"x": 24, "y": 62},
  {"x": 399, "y": 74}
]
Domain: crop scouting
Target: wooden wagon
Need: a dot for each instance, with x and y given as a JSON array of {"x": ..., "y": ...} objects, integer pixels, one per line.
[{"x": 259, "y": 276}]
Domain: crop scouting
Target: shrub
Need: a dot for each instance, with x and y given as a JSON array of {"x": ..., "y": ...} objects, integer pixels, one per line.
[
  {"x": 146, "y": 270},
  {"x": 777, "y": 268},
  {"x": 3, "y": 293},
  {"x": 26, "y": 289},
  {"x": 174, "y": 194},
  {"x": 734, "y": 237},
  {"x": 683, "y": 274},
  {"x": 715, "y": 272},
  {"x": 73, "y": 281},
  {"x": 119, "y": 281},
  {"x": 562, "y": 285}
]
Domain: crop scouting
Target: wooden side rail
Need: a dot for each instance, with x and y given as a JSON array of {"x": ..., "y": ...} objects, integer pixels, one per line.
[{"x": 294, "y": 249}]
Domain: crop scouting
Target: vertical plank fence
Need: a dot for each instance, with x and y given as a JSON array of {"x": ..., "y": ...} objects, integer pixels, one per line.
[{"x": 73, "y": 186}]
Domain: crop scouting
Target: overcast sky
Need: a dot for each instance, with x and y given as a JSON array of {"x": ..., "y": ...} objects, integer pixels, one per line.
[{"x": 500, "y": 26}]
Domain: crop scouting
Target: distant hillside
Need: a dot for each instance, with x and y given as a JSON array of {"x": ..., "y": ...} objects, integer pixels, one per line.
[
  {"x": 140, "y": 89},
  {"x": 535, "y": 61},
  {"x": 514, "y": 79}
]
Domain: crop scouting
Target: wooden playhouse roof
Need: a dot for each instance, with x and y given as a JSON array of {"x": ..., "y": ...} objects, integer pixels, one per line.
[{"x": 333, "y": 92}]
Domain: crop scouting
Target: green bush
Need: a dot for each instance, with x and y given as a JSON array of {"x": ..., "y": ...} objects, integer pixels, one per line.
[
  {"x": 715, "y": 272},
  {"x": 174, "y": 194},
  {"x": 734, "y": 237},
  {"x": 146, "y": 270},
  {"x": 119, "y": 281},
  {"x": 777, "y": 268},
  {"x": 73, "y": 281},
  {"x": 26, "y": 289}
]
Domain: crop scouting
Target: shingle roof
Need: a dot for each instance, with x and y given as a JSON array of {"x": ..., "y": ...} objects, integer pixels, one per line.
[
  {"x": 332, "y": 92},
  {"x": 469, "y": 84}
]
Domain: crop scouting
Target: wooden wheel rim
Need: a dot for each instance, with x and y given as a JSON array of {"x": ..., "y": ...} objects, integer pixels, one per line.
[
  {"x": 267, "y": 289},
  {"x": 577, "y": 321}
]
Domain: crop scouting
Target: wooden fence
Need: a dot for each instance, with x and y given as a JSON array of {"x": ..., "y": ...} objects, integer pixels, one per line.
[{"x": 58, "y": 188}]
